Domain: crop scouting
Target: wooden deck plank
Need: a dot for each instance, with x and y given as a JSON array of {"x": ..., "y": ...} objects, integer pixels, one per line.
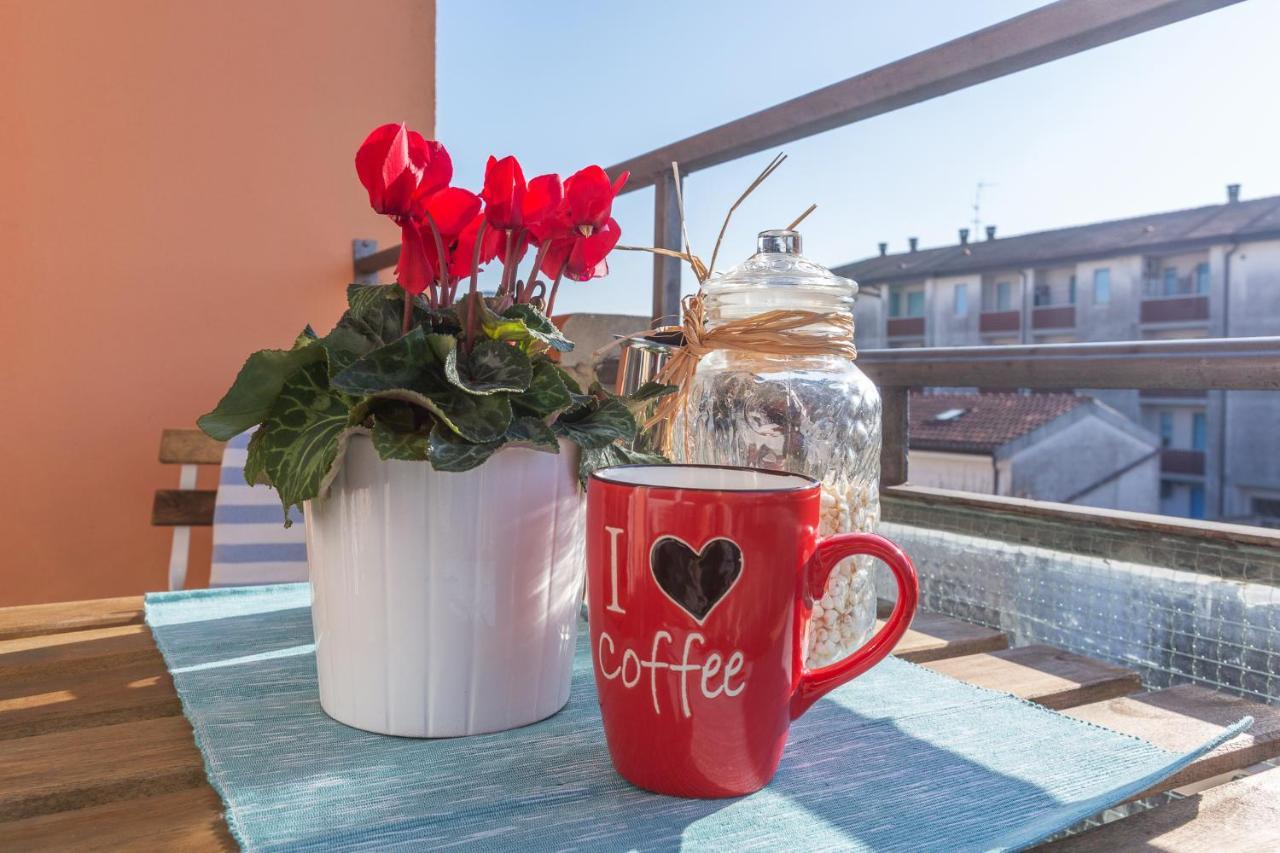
[
  {"x": 41, "y": 702},
  {"x": 1183, "y": 717},
  {"x": 1042, "y": 674},
  {"x": 88, "y": 767},
  {"x": 183, "y": 822},
  {"x": 34, "y": 619},
  {"x": 1241, "y": 816},
  {"x": 933, "y": 636},
  {"x": 77, "y": 651}
]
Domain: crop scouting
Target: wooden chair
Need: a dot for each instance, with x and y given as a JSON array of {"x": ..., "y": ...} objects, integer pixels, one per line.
[{"x": 186, "y": 506}]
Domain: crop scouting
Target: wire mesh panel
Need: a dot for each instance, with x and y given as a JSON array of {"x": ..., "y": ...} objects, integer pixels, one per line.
[{"x": 1196, "y": 622}]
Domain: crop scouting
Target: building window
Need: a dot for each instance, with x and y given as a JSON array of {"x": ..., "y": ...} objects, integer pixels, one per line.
[
  {"x": 895, "y": 303},
  {"x": 1102, "y": 286},
  {"x": 1198, "y": 431},
  {"x": 1071, "y": 290},
  {"x": 915, "y": 303},
  {"x": 1170, "y": 281},
  {"x": 1267, "y": 507},
  {"x": 1004, "y": 296},
  {"x": 1166, "y": 490},
  {"x": 1202, "y": 278},
  {"x": 962, "y": 300},
  {"x": 1196, "y": 508},
  {"x": 1166, "y": 429},
  {"x": 1042, "y": 295}
]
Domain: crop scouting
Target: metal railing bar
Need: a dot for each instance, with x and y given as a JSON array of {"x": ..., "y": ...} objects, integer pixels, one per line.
[
  {"x": 1198, "y": 364},
  {"x": 1034, "y": 38},
  {"x": 1042, "y": 35}
]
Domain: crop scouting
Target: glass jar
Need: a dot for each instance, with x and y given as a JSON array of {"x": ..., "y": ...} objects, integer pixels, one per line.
[{"x": 811, "y": 414}]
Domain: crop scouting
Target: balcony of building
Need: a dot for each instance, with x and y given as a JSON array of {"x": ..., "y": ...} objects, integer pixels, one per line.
[
  {"x": 1180, "y": 461},
  {"x": 1170, "y": 296}
]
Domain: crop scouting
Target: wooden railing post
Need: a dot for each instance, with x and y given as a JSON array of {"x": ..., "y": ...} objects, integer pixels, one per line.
[
  {"x": 666, "y": 235},
  {"x": 893, "y": 449}
]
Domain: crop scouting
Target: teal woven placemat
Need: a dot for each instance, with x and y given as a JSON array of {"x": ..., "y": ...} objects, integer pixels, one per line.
[{"x": 900, "y": 759}]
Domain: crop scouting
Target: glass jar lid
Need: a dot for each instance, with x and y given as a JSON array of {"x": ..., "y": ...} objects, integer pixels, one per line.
[
  {"x": 779, "y": 263},
  {"x": 776, "y": 277}
]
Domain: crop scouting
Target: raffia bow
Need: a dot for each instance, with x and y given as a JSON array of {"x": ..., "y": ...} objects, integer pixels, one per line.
[{"x": 771, "y": 333}]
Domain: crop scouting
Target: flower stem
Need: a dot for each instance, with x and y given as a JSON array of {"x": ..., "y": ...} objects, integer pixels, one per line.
[
  {"x": 469, "y": 334},
  {"x": 551, "y": 299},
  {"x": 408, "y": 313},
  {"x": 523, "y": 295},
  {"x": 442, "y": 262}
]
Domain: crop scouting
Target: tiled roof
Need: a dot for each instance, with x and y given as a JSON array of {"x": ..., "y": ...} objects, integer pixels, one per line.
[
  {"x": 1141, "y": 233},
  {"x": 988, "y": 422}
]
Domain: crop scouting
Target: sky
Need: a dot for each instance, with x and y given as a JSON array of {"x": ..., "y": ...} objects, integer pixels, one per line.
[{"x": 1159, "y": 121}]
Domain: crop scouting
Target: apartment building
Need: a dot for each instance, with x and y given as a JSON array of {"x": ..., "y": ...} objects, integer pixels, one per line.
[{"x": 1211, "y": 271}]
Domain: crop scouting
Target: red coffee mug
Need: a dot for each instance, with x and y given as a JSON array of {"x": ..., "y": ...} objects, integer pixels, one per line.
[{"x": 700, "y": 584}]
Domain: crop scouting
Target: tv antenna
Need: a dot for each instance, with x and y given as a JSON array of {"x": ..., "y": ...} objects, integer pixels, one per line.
[{"x": 977, "y": 205}]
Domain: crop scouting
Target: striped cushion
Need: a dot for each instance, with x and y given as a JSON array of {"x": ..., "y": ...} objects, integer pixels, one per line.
[{"x": 250, "y": 542}]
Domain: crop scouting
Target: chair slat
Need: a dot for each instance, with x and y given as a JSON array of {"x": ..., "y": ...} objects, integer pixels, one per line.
[
  {"x": 933, "y": 636},
  {"x": 34, "y": 619},
  {"x": 86, "y": 767},
  {"x": 189, "y": 447},
  {"x": 1042, "y": 674},
  {"x": 189, "y": 507},
  {"x": 190, "y": 821},
  {"x": 1243, "y": 815},
  {"x": 1182, "y": 717}
]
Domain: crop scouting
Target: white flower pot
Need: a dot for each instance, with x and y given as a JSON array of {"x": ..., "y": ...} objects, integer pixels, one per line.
[{"x": 446, "y": 604}]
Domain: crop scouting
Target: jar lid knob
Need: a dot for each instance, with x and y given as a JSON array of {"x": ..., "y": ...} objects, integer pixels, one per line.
[{"x": 779, "y": 241}]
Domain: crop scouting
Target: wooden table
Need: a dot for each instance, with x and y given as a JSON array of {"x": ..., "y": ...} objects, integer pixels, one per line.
[{"x": 96, "y": 755}]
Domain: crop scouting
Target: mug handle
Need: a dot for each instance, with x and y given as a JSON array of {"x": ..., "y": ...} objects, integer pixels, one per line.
[{"x": 830, "y": 551}]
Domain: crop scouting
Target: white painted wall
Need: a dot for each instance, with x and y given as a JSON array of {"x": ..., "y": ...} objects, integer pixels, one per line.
[{"x": 966, "y": 472}]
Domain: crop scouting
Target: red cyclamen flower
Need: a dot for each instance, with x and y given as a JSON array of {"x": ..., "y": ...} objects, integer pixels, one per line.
[
  {"x": 588, "y": 199},
  {"x": 503, "y": 193},
  {"x": 452, "y": 210},
  {"x": 581, "y": 258},
  {"x": 396, "y": 165}
]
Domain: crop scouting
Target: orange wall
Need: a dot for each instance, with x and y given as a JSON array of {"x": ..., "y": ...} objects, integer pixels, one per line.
[{"x": 176, "y": 189}]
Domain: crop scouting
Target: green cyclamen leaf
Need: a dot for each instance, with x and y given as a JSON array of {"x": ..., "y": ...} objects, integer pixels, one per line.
[
  {"x": 650, "y": 391},
  {"x": 448, "y": 452},
  {"x": 475, "y": 418},
  {"x": 539, "y": 327},
  {"x": 396, "y": 365},
  {"x": 374, "y": 318},
  {"x": 613, "y": 454},
  {"x": 255, "y": 390},
  {"x": 531, "y": 432},
  {"x": 304, "y": 436},
  {"x": 392, "y": 444},
  {"x": 492, "y": 366},
  {"x": 255, "y": 471},
  {"x": 306, "y": 338},
  {"x": 547, "y": 393},
  {"x": 610, "y": 421}
]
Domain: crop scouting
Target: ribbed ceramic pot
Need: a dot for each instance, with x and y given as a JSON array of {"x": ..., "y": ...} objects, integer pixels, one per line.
[{"x": 446, "y": 604}]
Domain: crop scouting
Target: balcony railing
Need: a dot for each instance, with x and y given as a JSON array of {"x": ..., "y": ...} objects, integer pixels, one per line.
[
  {"x": 1053, "y": 317},
  {"x": 1179, "y": 461},
  {"x": 1190, "y": 365},
  {"x": 905, "y": 327},
  {"x": 1049, "y": 32},
  {"x": 990, "y": 322},
  {"x": 1175, "y": 309}
]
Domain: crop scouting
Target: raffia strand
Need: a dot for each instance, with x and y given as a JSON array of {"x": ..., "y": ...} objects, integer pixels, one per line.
[{"x": 771, "y": 333}]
